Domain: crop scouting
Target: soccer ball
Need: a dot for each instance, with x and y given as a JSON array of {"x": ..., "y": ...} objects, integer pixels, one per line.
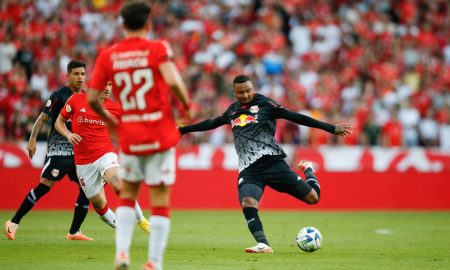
[{"x": 309, "y": 239}]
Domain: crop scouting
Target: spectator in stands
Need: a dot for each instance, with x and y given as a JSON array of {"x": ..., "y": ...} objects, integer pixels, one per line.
[
  {"x": 392, "y": 131},
  {"x": 371, "y": 132},
  {"x": 428, "y": 129},
  {"x": 7, "y": 53},
  {"x": 25, "y": 56},
  {"x": 400, "y": 50}
]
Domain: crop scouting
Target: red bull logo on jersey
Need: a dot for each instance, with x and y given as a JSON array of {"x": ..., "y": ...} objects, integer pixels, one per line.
[
  {"x": 254, "y": 109},
  {"x": 243, "y": 120}
]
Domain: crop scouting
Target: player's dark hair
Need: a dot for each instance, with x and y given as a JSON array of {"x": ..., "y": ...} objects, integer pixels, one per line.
[
  {"x": 75, "y": 64},
  {"x": 135, "y": 14},
  {"x": 241, "y": 79}
]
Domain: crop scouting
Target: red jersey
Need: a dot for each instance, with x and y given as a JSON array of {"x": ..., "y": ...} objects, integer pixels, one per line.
[
  {"x": 147, "y": 125},
  {"x": 85, "y": 122}
]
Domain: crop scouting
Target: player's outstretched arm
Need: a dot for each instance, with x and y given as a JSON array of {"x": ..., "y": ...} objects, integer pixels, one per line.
[
  {"x": 303, "y": 120},
  {"x": 37, "y": 127},
  {"x": 343, "y": 129},
  {"x": 204, "y": 125},
  {"x": 60, "y": 126}
]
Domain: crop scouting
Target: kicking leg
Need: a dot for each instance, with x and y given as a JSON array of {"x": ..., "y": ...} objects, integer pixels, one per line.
[{"x": 311, "y": 179}]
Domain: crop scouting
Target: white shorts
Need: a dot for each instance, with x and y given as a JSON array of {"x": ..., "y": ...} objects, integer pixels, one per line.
[
  {"x": 154, "y": 169},
  {"x": 91, "y": 175}
]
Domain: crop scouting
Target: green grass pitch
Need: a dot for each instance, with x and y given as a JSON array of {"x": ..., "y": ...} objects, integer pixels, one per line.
[{"x": 216, "y": 240}]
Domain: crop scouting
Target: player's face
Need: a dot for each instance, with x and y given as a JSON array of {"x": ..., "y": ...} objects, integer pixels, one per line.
[
  {"x": 107, "y": 91},
  {"x": 244, "y": 92},
  {"x": 77, "y": 77}
]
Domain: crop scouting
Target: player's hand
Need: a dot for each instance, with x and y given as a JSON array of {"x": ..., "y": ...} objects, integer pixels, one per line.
[
  {"x": 31, "y": 148},
  {"x": 343, "y": 129},
  {"x": 187, "y": 115},
  {"x": 74, "y": 138}
]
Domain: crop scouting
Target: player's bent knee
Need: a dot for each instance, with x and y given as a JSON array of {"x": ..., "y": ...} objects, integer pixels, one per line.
[
  {"x": 249, "y": 202},
  {"x": 311, "y": 198}
]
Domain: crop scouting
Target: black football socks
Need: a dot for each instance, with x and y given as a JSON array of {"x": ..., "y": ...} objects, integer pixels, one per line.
[
  {"x": 254, "y": 224},
  {"x": 311, "y": 180},
  {"x": 80, "y": 212},
  {"x": 30, "y": 200}
]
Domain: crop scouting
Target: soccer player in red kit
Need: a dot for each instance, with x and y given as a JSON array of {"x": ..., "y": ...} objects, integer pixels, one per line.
[
  {"x": 142, "y": 74},
  {"x": 95, "y": 156}
]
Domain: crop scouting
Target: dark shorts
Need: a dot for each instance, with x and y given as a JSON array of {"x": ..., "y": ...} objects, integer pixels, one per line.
[
  {"x": 273, "y": 172},
  {"x": 56, "y": 167}
]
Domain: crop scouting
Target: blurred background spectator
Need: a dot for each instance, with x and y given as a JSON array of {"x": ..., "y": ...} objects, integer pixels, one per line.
[{"x": 383, "y": 66}]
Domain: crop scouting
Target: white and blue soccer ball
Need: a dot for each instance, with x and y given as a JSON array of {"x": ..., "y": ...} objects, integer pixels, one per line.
[{"x": 309, "y": 239}]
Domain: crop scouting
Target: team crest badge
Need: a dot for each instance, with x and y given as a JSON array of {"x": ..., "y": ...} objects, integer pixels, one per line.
[
  {"x": 68, "y": 108},
  {"x": 55, "y": 172},
  {"x": 254, "y": 109}
]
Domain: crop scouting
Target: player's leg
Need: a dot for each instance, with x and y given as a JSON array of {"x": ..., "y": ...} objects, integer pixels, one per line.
[
  {"x": 250, "y": 193},
  {"x": 131, "y": 174},
  {"x": 143, "y": 222},
  {"x": 102, "y": 209},
  {"x": 282, "y": 179},
  {"x": 307, "y": 168},
  {"x": 160, "y": 220},
  {"x": 111, "y": 176},
  {"x": 160, "y": 175},
  {"x": 125, "y": 222},
  {"x": 81, "y": 206},
  {"x": 92, "y": 183},
  {"x": 28, "y": 203}
]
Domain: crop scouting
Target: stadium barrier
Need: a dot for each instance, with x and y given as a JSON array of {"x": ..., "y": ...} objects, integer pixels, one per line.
[{"x": 352, "y": 178}]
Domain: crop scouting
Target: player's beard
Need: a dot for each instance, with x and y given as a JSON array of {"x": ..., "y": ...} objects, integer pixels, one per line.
[{"x": 246, "y": 101}]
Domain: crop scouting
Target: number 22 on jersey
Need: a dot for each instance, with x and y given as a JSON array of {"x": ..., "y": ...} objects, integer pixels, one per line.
[{"x": 131, "y": 101}]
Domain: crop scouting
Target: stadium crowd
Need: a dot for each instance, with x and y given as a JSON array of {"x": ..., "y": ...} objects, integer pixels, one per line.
[{"x": 383, "y": 66}]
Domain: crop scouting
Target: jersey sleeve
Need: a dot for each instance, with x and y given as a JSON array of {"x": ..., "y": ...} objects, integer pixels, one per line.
[
  {"x": 49, "y": 106},
  {"x": 274, "y": 108},
  {"x": 301, "y": 119},
  {"x": 100, "y": 76},
  {"x": 67, "y": 110},
  {"x": 164, "y": 52}
]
